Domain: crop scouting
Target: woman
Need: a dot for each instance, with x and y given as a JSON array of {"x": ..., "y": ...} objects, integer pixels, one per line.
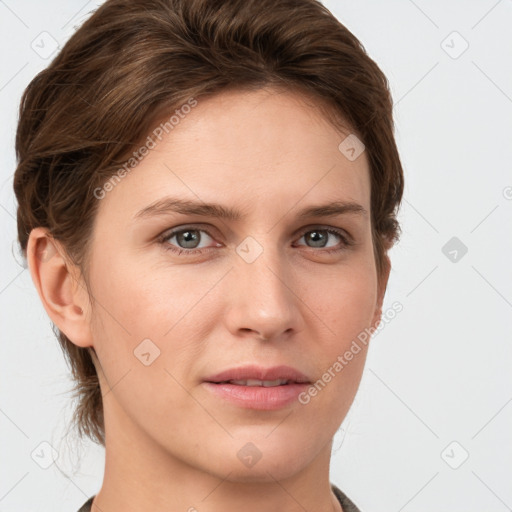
[{"x": 207, "y": 194}]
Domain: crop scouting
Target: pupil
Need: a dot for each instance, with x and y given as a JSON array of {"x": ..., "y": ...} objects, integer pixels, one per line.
[
  {"x": 315, "y": 235},
  {"x": 187, "y": 238}
]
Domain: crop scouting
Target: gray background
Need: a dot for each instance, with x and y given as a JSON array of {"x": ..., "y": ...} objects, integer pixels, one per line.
[{"x": 437, "y": 385}]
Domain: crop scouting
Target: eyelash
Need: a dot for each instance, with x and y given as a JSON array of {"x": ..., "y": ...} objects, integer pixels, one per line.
[{"x": 165, "y": 237}]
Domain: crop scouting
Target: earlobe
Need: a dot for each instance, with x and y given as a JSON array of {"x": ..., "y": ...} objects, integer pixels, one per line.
[{"x": 60, "y": 286}]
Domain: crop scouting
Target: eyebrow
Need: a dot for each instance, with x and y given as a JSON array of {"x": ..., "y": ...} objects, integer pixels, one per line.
[{"x": 186, "y": 207}]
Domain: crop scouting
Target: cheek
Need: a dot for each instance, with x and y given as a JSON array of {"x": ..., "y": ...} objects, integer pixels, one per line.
[
  {"x": 343, "y": 308},
  {"x": 138, "y": 298},
  {"x": 141, "y": 317},
  {"x": 136, "y": 302},
  {"x": 344, "y": 301},
  {"x": 356, "y": 303}
]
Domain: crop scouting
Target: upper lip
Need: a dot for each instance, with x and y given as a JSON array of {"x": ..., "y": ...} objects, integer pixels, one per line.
[{"x": 259, "y": 373}]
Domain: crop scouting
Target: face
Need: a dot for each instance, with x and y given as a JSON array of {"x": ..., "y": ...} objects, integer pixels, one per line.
[{"x": 193, "y": 311}]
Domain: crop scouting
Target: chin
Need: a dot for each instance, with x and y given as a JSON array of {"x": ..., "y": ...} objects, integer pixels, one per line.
[
  {"x": 265, "y": 459},
  {"x": 264, "y": 471}
]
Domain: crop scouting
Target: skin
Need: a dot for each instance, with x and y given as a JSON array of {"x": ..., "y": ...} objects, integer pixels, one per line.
[{"x": 170, "y": 444}]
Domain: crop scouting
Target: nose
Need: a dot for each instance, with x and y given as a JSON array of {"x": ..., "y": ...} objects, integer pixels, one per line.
[{"x": 262, "y": 303}]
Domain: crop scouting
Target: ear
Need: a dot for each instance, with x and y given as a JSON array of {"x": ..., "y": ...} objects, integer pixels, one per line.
[
  {"x": 60, "y": 286},
  {"x": 381, "y": 290}
]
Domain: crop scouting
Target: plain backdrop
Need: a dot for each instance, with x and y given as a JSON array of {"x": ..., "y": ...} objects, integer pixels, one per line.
[{"x": 430, "y": 426}]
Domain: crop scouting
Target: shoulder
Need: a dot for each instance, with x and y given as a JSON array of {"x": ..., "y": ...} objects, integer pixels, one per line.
[
  {"x": 346, "y": 503},
  {"x": 86, "y": 507}
]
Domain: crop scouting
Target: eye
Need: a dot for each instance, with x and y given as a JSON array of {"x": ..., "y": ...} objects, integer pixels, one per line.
[
  {"x": 187, "y": 239},
  {"x": 319, "y": 236}
]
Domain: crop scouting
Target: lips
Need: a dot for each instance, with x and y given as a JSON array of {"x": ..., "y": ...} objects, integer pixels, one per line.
[
  {"x": 257, "y": 376},
  {"x": 255, "y": 387}
]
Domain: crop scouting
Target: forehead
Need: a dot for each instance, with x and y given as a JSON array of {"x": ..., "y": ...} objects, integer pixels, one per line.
[{"x": 263, "y": 150}]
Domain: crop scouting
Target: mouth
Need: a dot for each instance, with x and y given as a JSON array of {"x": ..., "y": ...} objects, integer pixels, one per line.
[
  {"x": 260, "y": 388},
  {"x": 256, "y": 382}
]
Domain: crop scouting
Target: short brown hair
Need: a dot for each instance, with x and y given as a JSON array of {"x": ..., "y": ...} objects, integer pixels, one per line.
[{"x": 134, "y": 59}]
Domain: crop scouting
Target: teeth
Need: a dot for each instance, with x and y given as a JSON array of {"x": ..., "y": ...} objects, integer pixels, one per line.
[{"x": 256, "y": 382}]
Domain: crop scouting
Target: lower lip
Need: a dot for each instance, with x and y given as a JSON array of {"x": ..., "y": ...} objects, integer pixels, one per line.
[{"x": 258, "y": 397}]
